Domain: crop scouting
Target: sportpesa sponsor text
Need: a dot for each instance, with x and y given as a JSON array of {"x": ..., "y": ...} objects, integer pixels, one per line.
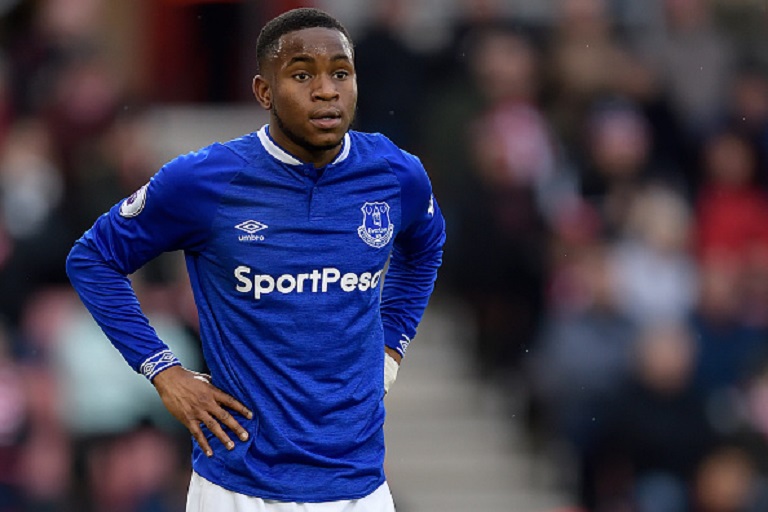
[{"x": 316, "y": 281}]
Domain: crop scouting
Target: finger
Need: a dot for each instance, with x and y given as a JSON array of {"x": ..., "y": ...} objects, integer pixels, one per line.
[
  {"x": 226, "y": 418},
  {"x": 197, "y": 433},
  {"x": 214, "y": 426},
  {"x": 230, "y": 402}
]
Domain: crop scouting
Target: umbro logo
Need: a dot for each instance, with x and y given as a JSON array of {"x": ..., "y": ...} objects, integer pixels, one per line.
[{"x": 251, "y": 227}]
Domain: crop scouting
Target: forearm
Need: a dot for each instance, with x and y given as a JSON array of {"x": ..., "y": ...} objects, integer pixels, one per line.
[
  {"x": 109, "y": 297},
  {"x": 407, "y": 288}
]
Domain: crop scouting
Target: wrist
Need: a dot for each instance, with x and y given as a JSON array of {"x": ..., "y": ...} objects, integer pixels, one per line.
[
  {"x": 394, "y": 354},
  {"x": 161, "y": 378},
  {"x": 156, "y": 363}
]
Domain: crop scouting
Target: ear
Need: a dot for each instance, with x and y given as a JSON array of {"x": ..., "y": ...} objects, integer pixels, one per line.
[{"x": 262, "y": 91}]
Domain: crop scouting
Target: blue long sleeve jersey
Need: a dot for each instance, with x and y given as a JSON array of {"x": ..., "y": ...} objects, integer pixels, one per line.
[{"x": 286, "y": 269}]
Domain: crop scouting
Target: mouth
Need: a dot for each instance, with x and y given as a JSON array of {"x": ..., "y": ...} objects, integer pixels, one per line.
[{"x": 326, "y": 119}]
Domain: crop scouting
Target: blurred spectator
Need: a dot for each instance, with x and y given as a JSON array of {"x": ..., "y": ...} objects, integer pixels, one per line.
[
  {"x": 31, "y": 198},
  {"x": 655, "y": 432},
  {"x": 389, "y": 103},
  {"x": 748, "y": 106},
  {"x": 444, "y": 130},
  {"x": 585, "y": 63},
  {"x": 41, "y": 37},
  {"x": 669, "y": 154},
  {"x": 695, "y": 61},
  {"x": 655, "y": 273},
  {"x": 732, "y": 217},
  {"x": 732, "y": 210},
  {"x": 473, "y": 17},
  {"x": 30, "y": 182},
  {"x": 583, "y": 355},
  {"x": 46, "y": 471},
  {"x": 745, "y": 23},
  {"x": 69, "y": 23},
  {"x": 729, "y": 349},
  {"x": 575, "y": 234},
  {"x": 503, "y": 160},
  {"x": 617, "y": 149},
  {"x": 137, "y": 471},
  {"x": 727, "y": 481},
  {"x": 83, "y": 103}
]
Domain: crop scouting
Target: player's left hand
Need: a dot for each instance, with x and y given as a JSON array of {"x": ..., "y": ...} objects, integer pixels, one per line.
[{"x": 193, "y": 400}]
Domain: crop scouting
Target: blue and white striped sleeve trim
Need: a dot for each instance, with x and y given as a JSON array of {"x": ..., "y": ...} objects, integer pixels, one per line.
[{"x": 156, "y": 363}]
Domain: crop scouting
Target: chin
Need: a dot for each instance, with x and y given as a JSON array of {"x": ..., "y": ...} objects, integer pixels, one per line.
[{"x": 328, "y": 141}]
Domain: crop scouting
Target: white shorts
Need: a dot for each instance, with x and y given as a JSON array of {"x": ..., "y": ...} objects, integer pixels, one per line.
[{"x": 205, "y": 496}]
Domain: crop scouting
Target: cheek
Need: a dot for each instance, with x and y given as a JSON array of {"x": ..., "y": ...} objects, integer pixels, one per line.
[
  {"x": 351, "y": 97},
  {"x": 286, "y": 101}
]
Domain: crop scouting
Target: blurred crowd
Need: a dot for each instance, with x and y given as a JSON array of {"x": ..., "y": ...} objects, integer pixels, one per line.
[{"x": 604, "y": 174}]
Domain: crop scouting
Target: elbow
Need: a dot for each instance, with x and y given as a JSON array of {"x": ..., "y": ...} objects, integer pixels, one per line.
[
  {"x": 73, "y": 261},
  {"x": 82, "y": 257}
]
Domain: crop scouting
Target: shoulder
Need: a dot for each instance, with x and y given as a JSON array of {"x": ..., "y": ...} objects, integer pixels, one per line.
[
  {"x": 216, "y": 161},
  {"x": 384, "y": 148},
  {"x": 198, "y": 176},
  {"x": 406, "y": 167},
  {"x": 215, "y": 157},
  {"x": 412, "y": 178},
  {"x": 247, "y": 147}
]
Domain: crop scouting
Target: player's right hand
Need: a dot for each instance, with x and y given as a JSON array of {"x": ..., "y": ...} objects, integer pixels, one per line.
[{"x": 193, "y": 400}]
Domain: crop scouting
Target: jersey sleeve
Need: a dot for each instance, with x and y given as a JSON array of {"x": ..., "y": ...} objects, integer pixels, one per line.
[
  {"x": 174, "y": 211},
  {"x": 416, "y": 256}
]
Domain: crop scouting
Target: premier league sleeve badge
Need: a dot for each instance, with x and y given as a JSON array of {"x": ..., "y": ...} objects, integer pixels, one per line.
[{"x": 133, "y": 205}]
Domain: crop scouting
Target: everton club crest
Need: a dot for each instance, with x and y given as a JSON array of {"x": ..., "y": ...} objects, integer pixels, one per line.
[{"x": 376, "y": 229}]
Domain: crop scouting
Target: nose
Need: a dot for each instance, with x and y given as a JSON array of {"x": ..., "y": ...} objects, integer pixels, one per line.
[{"x": 325, "y": 88}]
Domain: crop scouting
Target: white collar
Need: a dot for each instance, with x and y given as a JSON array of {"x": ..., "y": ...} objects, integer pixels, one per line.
[{"x": 283, "y": 156}]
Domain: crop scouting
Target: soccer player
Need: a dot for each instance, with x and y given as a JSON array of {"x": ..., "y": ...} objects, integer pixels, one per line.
[{"x": 286, "y": 234}]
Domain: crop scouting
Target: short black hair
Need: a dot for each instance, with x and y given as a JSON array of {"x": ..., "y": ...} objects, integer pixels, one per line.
[{"x": 290, "y": 21}]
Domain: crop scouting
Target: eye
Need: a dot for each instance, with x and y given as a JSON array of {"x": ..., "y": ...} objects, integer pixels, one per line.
[
  {"x": 301, "y": 76},
  {"x": 341, "y": 74}
]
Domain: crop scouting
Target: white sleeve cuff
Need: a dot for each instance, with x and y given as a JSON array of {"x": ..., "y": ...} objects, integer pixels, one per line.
[
  {"x": 156, "y": 363},
  {"x": 390, "y": 371}
]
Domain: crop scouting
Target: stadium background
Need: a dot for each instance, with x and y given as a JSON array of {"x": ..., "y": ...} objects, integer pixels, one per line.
[{"x": 597, "y": 340}]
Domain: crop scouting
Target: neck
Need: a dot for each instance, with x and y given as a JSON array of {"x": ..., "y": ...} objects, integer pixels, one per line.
[{"x": 317, "y": 156}]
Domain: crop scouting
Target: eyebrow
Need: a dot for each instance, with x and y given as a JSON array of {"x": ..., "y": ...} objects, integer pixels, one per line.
[
  {"x": 300, "y": 58},
  {"x": 310, "y": 59}
]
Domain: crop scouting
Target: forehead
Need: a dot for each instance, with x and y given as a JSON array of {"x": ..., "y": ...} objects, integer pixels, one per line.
[{"x": 315, "y": 42}]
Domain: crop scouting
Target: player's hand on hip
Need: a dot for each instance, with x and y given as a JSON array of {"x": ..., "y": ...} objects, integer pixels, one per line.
[{"x": 193, "y": 400}]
